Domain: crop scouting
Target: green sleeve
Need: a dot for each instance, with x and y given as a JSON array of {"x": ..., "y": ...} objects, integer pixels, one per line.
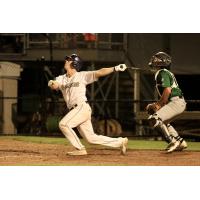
[{"x": 164, "y": 79}]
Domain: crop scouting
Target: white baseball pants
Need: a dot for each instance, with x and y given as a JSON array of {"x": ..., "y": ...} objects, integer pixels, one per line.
[
  {"x": 80, "y": 117},
  {"x": 170, "y": 111}
]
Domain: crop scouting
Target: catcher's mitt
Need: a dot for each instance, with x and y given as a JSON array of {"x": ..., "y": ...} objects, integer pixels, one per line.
[{"x": 152, "y": 108}]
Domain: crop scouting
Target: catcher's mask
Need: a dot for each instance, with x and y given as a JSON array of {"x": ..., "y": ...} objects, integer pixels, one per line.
[
  {"x": 76, "y": 61},
  {"x": 160, "y": 59}
]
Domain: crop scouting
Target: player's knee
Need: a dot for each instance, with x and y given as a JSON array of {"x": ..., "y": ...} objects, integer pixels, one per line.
[
  {"x": 154, "y": 121},
  {"x": 62, "y": 125}
]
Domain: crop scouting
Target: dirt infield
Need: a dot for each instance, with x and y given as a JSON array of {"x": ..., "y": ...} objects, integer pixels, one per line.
[{"x": 19, "y": 153}]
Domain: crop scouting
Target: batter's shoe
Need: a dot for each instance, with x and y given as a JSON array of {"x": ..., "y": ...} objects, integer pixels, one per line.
[
  {"x": 169, "y": 146},
  {"x": 80, "y": 152},
  {"x": 174, "y": 146},
  {"x": 183, "y": 145},
  {"x": 123, "y": 146}
]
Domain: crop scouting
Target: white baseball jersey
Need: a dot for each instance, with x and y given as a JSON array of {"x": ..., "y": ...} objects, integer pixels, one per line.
[{"x": 74, "y": 88}]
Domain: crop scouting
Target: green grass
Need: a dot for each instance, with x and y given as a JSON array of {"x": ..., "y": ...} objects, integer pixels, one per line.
[
  {"x": 133, "y": 144},
  {"x": 37, "y": 139},
  {"x": 145, "y": 144}
]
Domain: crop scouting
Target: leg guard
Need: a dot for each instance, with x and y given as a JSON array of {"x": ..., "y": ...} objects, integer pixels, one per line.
[
  {"x": 173, "y": 132},
  {"x": 156, "y": 123}
]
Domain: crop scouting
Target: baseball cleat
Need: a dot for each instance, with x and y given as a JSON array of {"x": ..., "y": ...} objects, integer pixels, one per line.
[
  {"x": 173, "y": 147},
  {"x": 169, "y": 145},
  {"x": 183, "y": 145},
  {"x": 80, "y": 152},
  {"x": 123, "y": 146}
]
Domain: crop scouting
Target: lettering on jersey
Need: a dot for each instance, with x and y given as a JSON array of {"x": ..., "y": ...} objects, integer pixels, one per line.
[{"x": 69, "y": 85}]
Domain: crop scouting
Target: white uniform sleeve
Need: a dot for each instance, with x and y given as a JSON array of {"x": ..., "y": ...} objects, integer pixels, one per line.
[
  {"x": 89, "y": 77},
  {"x": 59, "y": 79}
]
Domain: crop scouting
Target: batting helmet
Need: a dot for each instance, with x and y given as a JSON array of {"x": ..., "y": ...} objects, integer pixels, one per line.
[
  {"x": 160, "y": 59},
  {"x": 76, "y": 61}
]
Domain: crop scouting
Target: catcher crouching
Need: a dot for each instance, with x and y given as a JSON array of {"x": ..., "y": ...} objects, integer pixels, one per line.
[{"x": 170, "y": 105}]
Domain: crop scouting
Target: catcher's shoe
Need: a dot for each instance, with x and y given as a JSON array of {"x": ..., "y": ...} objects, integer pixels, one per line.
[
  {"x": 123, "y": 146},
  {"x": 183, "y": 145},
  {"x": 174, "y": 146},
  {"x": 80, "y": 152}
]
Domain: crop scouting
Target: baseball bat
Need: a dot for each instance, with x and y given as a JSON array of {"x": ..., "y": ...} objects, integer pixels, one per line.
[
  {"x": 138, "y": 69},
  {"x": 134, "y": 68}
]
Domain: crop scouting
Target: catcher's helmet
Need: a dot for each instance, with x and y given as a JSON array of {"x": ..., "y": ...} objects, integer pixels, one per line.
[
  {"x": 76, "y": 61},
  {"x": 160, "y": 59}
]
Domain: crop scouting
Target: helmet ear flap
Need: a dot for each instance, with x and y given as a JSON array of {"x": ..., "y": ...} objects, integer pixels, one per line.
[
  {"x": 74, "y": 65},
  {"x": 76, "y": 61}
]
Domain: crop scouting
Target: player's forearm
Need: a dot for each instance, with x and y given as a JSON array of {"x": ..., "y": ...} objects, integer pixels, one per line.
[
  {"x": 165, "y": 96},
  {"x": 104, "y": 71}
]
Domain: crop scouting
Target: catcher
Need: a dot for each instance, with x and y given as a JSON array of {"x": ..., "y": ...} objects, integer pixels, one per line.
[{"x": 170, "y": 105}]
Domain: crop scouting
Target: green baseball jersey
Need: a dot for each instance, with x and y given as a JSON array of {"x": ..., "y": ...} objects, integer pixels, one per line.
[{"x": 164, "y": 78}]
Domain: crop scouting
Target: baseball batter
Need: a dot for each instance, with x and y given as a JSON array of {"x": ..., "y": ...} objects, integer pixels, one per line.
[
  {"x": 73, "y": 87},
  {"x": 171, "y": 102}
]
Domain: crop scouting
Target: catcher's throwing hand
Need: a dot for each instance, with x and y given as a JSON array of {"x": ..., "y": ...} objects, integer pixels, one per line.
[
  {"x": 120, "y": 67},
  {"x": 152, "y": 108}
]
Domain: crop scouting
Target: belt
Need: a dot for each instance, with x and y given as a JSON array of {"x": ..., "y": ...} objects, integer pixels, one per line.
[
  {"x": 177, "y": 97},
  {"x": 181, "y": 96},
  {"x": 75, "y": 105}
]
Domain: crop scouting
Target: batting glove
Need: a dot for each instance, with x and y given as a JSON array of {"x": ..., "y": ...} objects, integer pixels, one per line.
[
  {"x": 51, "y": 82},
  {"x": 120, "y": 67}
]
